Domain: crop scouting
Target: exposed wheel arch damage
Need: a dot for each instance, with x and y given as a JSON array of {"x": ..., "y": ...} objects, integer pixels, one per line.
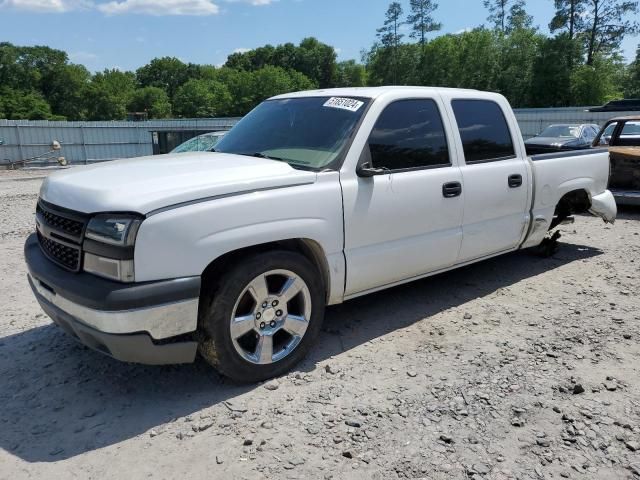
[
  {"x": 572, "y": 203},
  {"x": 307, "y": 247}
]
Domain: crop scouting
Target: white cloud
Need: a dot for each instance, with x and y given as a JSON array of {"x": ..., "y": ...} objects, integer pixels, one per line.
[
  {"x": 82, "y": 57},
  {"x": 117, "y": 7},
  {"x": 43, "y": 6},
  {"x": 464, "y": 30},
  {"x": 257, "y": 3},
  {"x": 160, "y": 7},
  {"x": 241, "y": 50}
]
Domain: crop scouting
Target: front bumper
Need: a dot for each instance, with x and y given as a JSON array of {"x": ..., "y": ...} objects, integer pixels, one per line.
[{"x": 145, "y": 323}]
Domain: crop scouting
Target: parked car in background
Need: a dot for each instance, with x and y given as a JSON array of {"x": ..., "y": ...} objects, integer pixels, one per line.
[
  {"x": 627, "y": 105},
  {"x": 562, "y": 137},
  {"x": 622, "y": 137},
  {"x": 202, "y": 143},
  {"x": 312, "y": 199}
]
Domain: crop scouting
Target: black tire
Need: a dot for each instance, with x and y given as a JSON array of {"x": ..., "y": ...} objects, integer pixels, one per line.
[{"x": 216, "y": 308}]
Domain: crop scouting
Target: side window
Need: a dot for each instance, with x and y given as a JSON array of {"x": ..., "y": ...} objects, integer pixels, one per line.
[
  {"x": 630, "y": 135},
  {"x": 409, "y": 134},
  {"x": 484, "y": 130},
  {"x": 605, "y": 138}
]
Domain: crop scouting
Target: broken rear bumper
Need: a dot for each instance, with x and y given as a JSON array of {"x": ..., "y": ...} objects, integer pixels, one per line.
[{"x": 604, "y": 206}]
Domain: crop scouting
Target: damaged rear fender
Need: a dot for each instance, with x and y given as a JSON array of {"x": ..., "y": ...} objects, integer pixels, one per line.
[{"x": 604, "y": 206}]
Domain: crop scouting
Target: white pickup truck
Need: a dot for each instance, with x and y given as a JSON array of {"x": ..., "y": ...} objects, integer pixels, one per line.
[{"x": 314, "y": 198}]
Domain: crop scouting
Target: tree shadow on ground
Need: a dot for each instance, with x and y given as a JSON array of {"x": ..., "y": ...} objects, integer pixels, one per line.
[{"x": 60, "y": 400}]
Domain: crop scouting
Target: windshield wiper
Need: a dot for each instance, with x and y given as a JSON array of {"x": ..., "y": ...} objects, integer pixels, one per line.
[{"x": 268, "y": 157}]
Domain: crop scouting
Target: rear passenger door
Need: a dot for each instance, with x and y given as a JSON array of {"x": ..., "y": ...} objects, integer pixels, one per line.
[
  {"x": 407, "y": 221},
  {"x": 495, "y": 178}
]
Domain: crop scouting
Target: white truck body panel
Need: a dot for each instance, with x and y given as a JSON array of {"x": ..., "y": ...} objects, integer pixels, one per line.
[
  {"x": 558, "y": 175},
  {"x": 212, "y": 228}
]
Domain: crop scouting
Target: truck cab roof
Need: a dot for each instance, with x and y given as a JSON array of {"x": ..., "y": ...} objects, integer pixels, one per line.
[{"x": 375, "y": 92}]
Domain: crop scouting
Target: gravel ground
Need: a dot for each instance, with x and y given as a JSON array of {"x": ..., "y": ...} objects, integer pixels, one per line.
[{"x": 520, "y": 367}]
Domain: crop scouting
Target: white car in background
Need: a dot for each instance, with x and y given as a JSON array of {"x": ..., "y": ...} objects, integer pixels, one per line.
[{"x": 202, "y": 143}]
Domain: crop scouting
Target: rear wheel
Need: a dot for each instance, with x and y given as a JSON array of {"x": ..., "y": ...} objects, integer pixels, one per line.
[{"x": 263, "y": 316}]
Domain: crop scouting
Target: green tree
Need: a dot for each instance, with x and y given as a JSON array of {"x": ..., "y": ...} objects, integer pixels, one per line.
[
  {"x": 153, "y": 100},
  {"x": 108, "y": 95},
  {"x": 552, "y": 69},
  {"x": 507, "y": 15},
  {"x": 46, "y": 71},
  {"x": 393, "y": 65},
  {"x": 21, "y": 105},
  {"x": 518, "y": 17},
  {"x": 632, "y": 84},
  {"x": 568, "y": 17},
  {"x": 421, "y": 19},
  {"x": 390, "y": 37},
  {"x": 240, "y": 84},
  {"x": 314, "y": 59},
  {"x": 168, "y": 73},
  {"x": 597, "y": 83},
  {"x": 607, "y": 23},
  {"x": 519, "y": 50},
  {"x": 66, "y": 91},
  {"x": 270, "y": 81},
  {"x": 202, "y": 98},
  {"x": 389, "y": 34},
  {"x": 465, "y": 60},
  {"x": 350, "y": 74}
]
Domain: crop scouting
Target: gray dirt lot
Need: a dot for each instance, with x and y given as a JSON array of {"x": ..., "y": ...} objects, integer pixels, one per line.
[{"x": 470, "y": 374}]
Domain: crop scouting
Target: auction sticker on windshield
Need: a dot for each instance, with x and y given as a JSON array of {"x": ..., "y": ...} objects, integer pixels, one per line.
[{"x": 344, "y": 103}]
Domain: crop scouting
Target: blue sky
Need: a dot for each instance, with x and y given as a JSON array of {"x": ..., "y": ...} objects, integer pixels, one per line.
[{"x": 126, "y": 34}]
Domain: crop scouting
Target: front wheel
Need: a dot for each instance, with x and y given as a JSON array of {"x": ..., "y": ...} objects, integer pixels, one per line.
[{"x": 263, "y": 316}]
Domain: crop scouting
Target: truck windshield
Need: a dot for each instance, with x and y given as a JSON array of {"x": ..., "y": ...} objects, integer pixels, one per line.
[{"x": 307, "y": 132}]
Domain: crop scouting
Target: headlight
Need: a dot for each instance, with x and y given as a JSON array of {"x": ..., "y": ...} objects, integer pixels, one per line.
[
  {"x": 113, "y": 229},
  {"x": 109, "y": 245}
]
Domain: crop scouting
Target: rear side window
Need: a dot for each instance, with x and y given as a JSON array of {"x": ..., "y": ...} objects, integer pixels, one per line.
[
  {"x": 484, "y": 130},
  {"x": 409, "y": 134}
]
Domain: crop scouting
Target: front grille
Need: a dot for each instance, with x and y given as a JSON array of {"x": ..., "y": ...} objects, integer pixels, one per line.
[
  {"x": 59, "y": 222},
  {"x": 60, "y": 234},
  {"x": 68, "y": 257}
]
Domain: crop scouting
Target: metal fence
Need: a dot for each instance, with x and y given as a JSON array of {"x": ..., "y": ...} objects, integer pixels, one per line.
[
  {"x": 88, "y": 142},
  {"x": 533, "y": 120}
]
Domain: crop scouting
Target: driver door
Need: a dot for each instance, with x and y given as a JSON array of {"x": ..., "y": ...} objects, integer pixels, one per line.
[{"x": 406, "y": 222}]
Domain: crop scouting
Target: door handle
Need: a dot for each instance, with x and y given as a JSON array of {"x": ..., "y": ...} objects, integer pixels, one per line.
[
  {"x": 515, "y": 181},
  {"x": 451, "y": 189}
]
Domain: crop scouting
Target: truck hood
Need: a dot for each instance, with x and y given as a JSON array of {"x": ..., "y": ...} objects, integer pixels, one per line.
[{"x": 148, "y": 183}]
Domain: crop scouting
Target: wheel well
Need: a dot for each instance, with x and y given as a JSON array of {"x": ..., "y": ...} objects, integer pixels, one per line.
[
  {"x": 309, "y": 248},
  {"x": 576, "y": 201}
]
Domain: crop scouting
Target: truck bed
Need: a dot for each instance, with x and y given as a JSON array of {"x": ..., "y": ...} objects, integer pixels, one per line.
[{"x": 555, "y": 175}]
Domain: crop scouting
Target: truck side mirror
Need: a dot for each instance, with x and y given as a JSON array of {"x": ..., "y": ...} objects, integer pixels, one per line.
[
  {"x": 366, "y": 170},
  {"x": 365, "y": 167}
]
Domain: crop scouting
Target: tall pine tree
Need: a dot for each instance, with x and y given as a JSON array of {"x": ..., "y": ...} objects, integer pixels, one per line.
[
  {"x": 421, "y": 20},
  {"x": 389, "y": 34}
]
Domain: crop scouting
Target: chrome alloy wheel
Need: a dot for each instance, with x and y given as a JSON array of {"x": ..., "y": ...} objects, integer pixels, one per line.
[{"x": 270, "y": 317}]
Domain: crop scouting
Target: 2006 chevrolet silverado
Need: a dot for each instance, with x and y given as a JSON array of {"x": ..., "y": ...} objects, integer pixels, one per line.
[{"x": 314, "y": 198}]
